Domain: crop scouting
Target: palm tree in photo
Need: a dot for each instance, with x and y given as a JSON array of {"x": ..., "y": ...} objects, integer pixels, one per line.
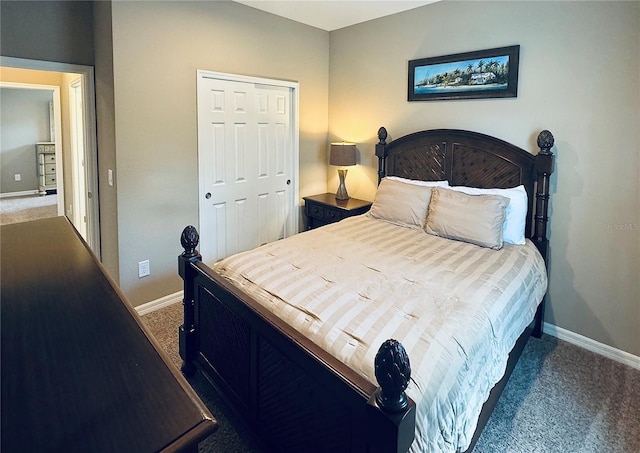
[{"x": 503, "y": 73}]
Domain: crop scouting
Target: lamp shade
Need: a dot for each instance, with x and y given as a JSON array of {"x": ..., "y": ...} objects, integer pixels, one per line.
[{"x": 342, "y": 154}]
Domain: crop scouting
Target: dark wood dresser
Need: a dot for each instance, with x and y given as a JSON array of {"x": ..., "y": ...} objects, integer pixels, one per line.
[
  {"x": 324, "y": 209},
  {"x": 79, "y": 371}
]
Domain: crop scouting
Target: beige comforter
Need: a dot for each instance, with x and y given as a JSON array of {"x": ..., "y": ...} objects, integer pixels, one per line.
[{"x": 457, "y": 308}]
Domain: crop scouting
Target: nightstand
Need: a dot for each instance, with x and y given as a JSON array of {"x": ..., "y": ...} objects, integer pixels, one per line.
[{"x": 323, "y": 209}]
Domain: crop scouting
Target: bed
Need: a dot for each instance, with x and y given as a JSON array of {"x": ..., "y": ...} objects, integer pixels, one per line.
[{"x": 292, "y": 334}]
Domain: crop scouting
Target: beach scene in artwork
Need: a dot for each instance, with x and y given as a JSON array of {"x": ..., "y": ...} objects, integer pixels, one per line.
[{"x": 467, "y": 75}]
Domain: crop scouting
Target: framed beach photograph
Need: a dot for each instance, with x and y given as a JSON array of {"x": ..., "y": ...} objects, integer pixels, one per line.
[{"x": 491, "y": 73}]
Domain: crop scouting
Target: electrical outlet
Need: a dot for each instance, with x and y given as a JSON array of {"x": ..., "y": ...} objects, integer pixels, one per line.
[
  {"x": 143, "y": 269},
  {"x": 17, "y": 177}
]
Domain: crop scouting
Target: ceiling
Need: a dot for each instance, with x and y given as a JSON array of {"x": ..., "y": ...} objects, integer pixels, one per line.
[{"x": 331, "y": 15}]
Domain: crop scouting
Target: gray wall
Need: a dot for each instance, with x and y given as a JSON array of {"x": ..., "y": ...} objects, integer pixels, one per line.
[
  {"x": 157, "y": 48},
  {"x": 579, "y": 78},
  {"x": 25, "y": 121},
  {"x": 59, "y": 31},
  {"x": 105, "y": 126}
]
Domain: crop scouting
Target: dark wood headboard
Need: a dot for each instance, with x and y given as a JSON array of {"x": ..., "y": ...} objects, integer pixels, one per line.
[{"x": 467, "y": 158}]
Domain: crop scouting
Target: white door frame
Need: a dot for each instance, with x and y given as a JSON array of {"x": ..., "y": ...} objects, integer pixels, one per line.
[
  {"x": 294, "y": 87},
  {"x": 77, "y": 152},
  {"x": 91, "y": 148}
]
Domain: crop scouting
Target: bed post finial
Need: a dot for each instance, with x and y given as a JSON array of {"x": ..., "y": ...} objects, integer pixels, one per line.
[
  {"x": 187, "y": 338},
  {"x": 393, "y": 371},
  {"x": 391, "y": 414},
  {"x": 382, "y": 135},
  {"x": 189, "y": 240},
  {"x": 380, "y": 152},
  {"x": 545, "y": 141}
]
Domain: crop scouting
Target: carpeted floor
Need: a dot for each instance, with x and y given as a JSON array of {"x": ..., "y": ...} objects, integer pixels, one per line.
[
  {"x": 560, "y": 398},
  {"x": 23, "y": 209},
  {"x": 231, "y": 436}
]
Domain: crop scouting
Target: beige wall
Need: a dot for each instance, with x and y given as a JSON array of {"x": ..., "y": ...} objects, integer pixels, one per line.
[
  {"x": 579, "y": 78},
  {"x": 157, "y": 48}
]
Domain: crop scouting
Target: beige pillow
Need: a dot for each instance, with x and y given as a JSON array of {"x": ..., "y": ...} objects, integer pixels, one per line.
[
  {"x": 516, "y": 216},
  {"x": 477, "y": 219},
  {"x": 401, "y": 203}
]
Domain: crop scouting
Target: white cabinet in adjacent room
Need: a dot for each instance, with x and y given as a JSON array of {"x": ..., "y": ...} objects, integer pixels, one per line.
[{"x": 46, "y": 157}]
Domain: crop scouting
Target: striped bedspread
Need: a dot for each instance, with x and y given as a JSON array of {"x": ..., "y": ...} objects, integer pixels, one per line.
[{"x": 457, "y": 308}]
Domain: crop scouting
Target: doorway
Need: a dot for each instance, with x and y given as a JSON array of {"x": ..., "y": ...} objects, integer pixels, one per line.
[
  {"x": 31, "y": 125},
  {"x": 84, "y": 141}
]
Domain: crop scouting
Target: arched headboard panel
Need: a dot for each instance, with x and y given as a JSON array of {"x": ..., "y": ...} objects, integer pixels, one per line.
[{"x": 467, "y": 158}]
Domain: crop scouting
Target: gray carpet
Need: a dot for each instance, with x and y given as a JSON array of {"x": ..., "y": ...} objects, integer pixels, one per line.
[
  {"x": 23, "y": 209},
  {"x": 231, "y": 436},
  {"x": 560, "y": 398}
]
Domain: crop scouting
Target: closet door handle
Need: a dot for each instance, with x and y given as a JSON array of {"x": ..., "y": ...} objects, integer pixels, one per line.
[{"x": 208, "y": 195}]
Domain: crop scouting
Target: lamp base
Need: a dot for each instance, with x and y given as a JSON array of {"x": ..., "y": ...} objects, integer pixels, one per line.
[{"x": 342, "y": 194}]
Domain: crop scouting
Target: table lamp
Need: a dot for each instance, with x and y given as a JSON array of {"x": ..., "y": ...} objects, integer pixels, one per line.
[{"x": 342, "y": 155}]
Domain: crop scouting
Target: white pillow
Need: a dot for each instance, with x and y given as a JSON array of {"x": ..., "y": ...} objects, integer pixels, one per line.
[
  {"x": 418, "y": 182},
  {"x": 516, "y": 219},
  {"x": 401, "y": 203}
]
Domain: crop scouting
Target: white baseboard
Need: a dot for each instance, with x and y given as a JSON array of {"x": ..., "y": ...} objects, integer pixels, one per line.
[
  {"x": 24, "y": 193},
  {"x": 160, "y": 303},
  {"x": 591, "y": 345}
]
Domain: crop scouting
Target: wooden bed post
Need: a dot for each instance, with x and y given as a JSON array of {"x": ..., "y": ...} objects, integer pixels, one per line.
[
  {"x": 543, "y": 168},
  {"x": 382, "y": 137},
  {"x": 391, "y": 415},
  {"x": 188, "y": 340}
]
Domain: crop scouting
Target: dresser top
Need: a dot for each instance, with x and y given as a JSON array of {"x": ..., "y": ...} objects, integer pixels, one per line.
[{"x": 79, "y": 372}]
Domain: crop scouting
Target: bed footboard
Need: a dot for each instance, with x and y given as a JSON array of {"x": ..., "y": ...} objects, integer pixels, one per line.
[{"x": 292, "y": 394}]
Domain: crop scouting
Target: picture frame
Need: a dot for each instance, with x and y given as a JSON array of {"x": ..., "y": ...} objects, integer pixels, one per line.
[{"x": 490, "y": 73}]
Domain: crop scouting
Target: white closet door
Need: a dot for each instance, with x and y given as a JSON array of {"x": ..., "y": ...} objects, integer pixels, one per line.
[{"x": 246, "y": 164}]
